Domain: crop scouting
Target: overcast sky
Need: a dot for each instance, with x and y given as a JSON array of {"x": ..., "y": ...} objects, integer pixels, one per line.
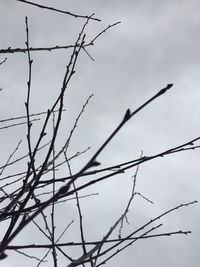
[{"x": 156, "y": 43}]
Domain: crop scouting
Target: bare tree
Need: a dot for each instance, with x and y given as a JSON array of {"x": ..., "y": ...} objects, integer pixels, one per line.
[{"x": 31, "y": 195}]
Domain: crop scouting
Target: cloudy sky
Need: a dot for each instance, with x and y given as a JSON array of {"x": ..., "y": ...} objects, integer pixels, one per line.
[{"x": 156, "y": 43}]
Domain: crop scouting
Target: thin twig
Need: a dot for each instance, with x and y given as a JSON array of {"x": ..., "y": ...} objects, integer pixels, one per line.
[
  {"x": 79, "y": 209},
  {"x": 54, "y": 254},
  {"x": 17, "y": 124},
  {"x": 11, "y": 155},
  {"x": 11, "y": 50},
  {"x": 91, "y": 243},
  {"x": 3, "y": 61},
  {"x": 59, "y": 10}
]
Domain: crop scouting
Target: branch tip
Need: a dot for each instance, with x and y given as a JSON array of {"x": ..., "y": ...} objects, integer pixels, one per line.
[{"x": 162, "y": 91}]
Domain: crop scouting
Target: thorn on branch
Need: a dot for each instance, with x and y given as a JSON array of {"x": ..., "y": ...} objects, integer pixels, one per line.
[
  {"x": 127, "y": 115},
  {"x": 186, "y": 233},
  {"x": 93, "y": 164},
  {"x": 63, "y": 190},
  {"x": 191, "y": 144}
]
